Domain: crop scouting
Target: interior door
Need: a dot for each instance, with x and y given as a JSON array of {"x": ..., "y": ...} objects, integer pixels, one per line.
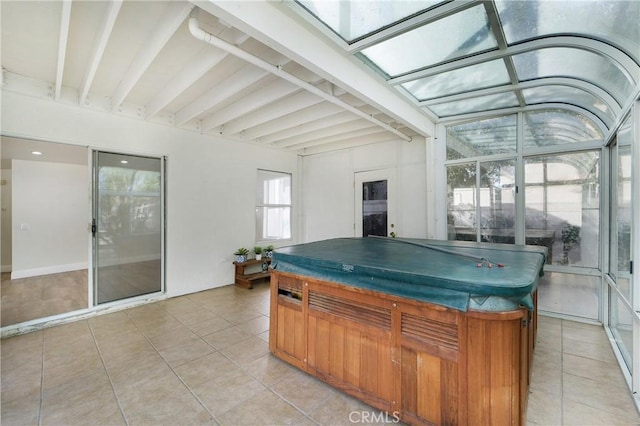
[
  {"x": 127, "y": 226},
  {"x": 375, "y": 205}
]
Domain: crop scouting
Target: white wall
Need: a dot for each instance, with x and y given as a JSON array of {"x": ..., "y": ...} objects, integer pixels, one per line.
[
  {"x": 5, "y": 217},
  {"x": 328, "y": 196},
  {"x": 50, "y": 207},
  {"x": 210, "y": 181}
]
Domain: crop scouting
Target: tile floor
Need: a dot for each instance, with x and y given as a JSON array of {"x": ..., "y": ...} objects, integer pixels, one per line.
[{"x": 204, "y": 359}]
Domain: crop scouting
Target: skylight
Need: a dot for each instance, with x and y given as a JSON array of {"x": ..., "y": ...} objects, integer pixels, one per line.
[{"x": 454, "y": 58}]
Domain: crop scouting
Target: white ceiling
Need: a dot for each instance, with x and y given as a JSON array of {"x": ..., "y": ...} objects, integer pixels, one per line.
[{"x": 140, "y": 59}]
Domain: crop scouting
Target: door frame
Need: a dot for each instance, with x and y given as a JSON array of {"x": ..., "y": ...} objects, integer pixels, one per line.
[
  {"x": 93, "y": 252},
  {"x": 392, "y": 198}
]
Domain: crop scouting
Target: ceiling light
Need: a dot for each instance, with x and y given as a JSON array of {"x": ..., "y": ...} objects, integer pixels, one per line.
[
  {"x": 124, "y": 161},
  {"x": 36, "y": 152}
]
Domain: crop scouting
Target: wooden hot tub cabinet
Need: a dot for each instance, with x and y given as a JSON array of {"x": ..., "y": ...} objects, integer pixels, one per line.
[{"x": 428, "y": 363}]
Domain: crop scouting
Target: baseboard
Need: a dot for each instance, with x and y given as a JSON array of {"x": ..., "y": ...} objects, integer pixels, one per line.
[
  {"x": 5, "y": 268},
  {"x": 55, "y": 269}
]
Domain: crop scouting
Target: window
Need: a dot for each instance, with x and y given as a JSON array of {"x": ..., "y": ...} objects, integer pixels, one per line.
[
  {"x": 273, "y": 206},
  {"x": 562, "y": 196}
]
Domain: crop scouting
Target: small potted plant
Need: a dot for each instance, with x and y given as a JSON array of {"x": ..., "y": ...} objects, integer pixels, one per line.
[
  {"x": 268, "y": 251},
  {"x": 241, "y": 254},
  {"x": 258, "y": 251}
]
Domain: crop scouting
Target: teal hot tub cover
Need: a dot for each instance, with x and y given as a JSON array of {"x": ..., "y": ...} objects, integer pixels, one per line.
[{"x": 455, "y": 274}]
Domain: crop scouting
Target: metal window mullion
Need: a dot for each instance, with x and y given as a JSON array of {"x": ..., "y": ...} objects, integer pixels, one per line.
[
  {"x": 520, "y": 181},
  {"x": 635, "y": 253},
  {"x": 478, "y": 212}
]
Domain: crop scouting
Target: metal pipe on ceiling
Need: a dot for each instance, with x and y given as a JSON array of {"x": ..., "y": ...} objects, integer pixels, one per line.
[{"x": 200, "y": 34}]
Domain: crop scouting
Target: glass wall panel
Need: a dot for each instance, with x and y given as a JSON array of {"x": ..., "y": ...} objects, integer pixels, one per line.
[
  {"x": 461, "y": 206},
  {"x": 613, "y": 21},
  {"x": 479, "y": 103},
  {"x": 572, "y": 96},
  {"x": 497, "y": 202},
  {"x": 354, "y": 19},
  {"x": 621, "y": 226},
  {"x": 569, "y": 294},
  {"x": 621, "y": 326},
  {"x": 562, "y": 197},
  {"x": 486, "y": 74},
  {"x": 434, "y": 43},
  {"x": 574, "y": 63},
  {"x": 485, "y": 137},
  {"x": 558, "y": 127}
]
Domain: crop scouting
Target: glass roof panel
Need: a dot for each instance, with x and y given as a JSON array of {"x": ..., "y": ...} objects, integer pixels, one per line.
[
  {"x": 570, "y": 95},
  {"x": 434, "y": 43},
  {"x": 613, "y": 21},
  {"x": 575, "y": 63},
  {"x": 558, "y": 127},
  {"x": 484, "y": 137},
  {"x": 486, "y": 74},
  {"x": 356, "y": 18},
  {"x": 480, "y": 103}
]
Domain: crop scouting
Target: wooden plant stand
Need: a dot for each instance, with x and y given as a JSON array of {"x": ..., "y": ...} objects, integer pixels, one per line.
[{"x": 244, "y": 279}]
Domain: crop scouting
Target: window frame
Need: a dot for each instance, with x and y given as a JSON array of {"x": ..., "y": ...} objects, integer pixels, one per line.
[{"x": 262, "y": 206}]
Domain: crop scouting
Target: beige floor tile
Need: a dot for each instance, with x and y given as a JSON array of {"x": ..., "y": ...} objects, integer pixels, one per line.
[
  {"x": 575, "y": 413},
  {"x": 207, "y": 368},
  {"x": 544, "y": 408},
  {"x": 186, "y": 352},
  {"x": 592, "y": 369},
  {"x": 20, "y": 381},
  {"x": 247, "y": 350},
  {"x": 174, "y": 338},
  {"x": 227, "y": 337},
  {"x": 137, "y": 371},
  {"x": 76, "y": 401},
  {"x": 255, "y": 326},
  {"x": 122, "y": 351},
  {"x": 209, "y": 326},
  {"x": 203, "y": 358},
  {"x": 152, "y": 327},
  {"x": 230, "y": 390},
  {"x": 596, "y": 394},
  {"x": 21, "y": 411},
  {"x": 598, "y": 351},
  {"x": 303, "y": 391},
  {"x": 162, "y": 400},
  {"x": 264, "y": 408},
  {"x": 341, "y": 409},
  {"x": 72, "y": 367}
]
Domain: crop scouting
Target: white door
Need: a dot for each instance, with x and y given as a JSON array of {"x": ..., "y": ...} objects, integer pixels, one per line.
[{"x": 375, "y": 203}]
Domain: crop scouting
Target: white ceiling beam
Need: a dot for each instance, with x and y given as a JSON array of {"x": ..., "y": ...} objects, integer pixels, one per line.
[
  {"x": 261, "y": 97},
  {"x": 273, "y": 24},
  {"x": 313, "y": 113},
  {"x": 278, "y": 109},
  {"x": 199, "y": 33},
  {"x": 226, "y": 88},
  {"x": 62, "y": 45},
  {"x": 327, "y": 132},
  {"x": 370, "y": 130},
  {"x": 106, "y": 28},
  {"x": 348, "y": 143},
  {"x": 191, "y": 72},
  {"x": 166, "y": 27},
  {"x": 312, "y": 126}
]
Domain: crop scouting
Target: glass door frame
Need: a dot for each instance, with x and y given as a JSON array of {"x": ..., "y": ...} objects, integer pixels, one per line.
[
  {"x": 632, "y": 375},
  {"x": 93, "y": 249}
]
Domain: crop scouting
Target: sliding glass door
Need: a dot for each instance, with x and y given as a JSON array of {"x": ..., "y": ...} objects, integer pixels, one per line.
[{"x": 128, "y": 226}]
